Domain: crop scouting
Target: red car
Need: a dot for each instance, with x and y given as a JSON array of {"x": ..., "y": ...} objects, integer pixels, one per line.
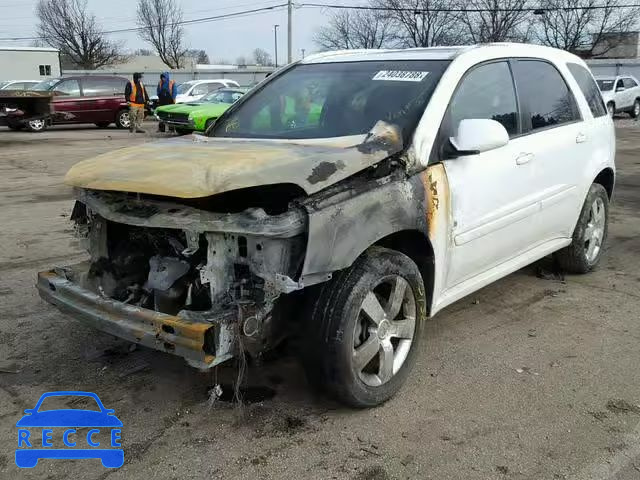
[{"x": 83, "y": 99}]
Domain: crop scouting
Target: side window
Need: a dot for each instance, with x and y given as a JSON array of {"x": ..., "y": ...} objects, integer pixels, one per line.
[
  {"x": 93, "y": 87},
  {"x": 212, "y": 87},
  {"x": 68, "y": 87},
  {"x": 629, "y": 83},
  {"x": 199, "y": 89},
  {"x": 45, "y": 70},
  {"x": 486, "y": 92},
  {"x": 619, "y": 84},
  {"x": 544, "y": 91},
  {"x": 589, "y": 89}
]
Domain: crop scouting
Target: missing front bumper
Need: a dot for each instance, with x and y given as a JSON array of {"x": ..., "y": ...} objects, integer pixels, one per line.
[{"x": 203, "y": 339}]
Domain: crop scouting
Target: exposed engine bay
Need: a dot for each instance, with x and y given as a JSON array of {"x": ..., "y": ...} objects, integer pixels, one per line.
[{"x": 160, "y": 255}]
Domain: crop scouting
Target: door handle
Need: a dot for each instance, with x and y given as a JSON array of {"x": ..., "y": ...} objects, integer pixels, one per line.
[
  {"x": 524, "y": 158},
  {"x": 581, "y": 138}
]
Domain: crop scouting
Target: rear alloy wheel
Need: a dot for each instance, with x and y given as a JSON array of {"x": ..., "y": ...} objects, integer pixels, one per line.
[
  {"x": 590, "y": 233},
  {"x": 611, "y": 109},
  {"x": 366, "y": 328},
  {"x": 635, "y": 112},
  {"x": 36, "y": 125},
  {"x": 122, "y": 119}
]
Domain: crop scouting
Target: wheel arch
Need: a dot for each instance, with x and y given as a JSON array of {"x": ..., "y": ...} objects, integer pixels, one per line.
[
  {"x": 606, "y": 178},
  {"x": 417, "y": 246}
]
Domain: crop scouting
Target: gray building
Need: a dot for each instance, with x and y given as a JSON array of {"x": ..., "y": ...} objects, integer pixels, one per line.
[
  {"x": 618, "y": 45},
  {"x": 29, "y": 63}
]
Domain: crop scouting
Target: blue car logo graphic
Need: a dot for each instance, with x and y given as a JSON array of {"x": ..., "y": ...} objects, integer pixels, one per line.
[{"x": 34, "y": 445}]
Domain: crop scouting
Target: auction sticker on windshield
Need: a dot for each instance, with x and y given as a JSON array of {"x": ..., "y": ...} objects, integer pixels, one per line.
[{"x": 400, "y": 75}]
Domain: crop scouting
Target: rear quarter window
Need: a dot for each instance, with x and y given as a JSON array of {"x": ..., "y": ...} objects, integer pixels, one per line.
[{"x": 589, "y": 89}]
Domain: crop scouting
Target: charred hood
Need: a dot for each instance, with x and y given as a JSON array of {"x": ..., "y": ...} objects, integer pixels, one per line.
[{"x": 186, "y": 168}]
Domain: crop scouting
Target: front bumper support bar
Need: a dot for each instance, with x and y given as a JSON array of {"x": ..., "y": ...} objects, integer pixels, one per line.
[{"x": 204, "y": 339}]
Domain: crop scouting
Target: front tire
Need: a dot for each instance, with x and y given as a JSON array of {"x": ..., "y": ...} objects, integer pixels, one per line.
[
  {"x": 590, "y": 234},
  {"x": 365, "y": 330},
  {"x": 635, "y": 111}
]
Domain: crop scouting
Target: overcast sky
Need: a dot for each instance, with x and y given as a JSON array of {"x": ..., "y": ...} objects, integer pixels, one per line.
[{"x": 222, "y": 39}]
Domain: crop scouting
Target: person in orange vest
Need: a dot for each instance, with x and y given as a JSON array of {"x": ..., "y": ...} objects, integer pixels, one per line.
[
  {"x": 137, "y": 98},
  {"x": 167, "y": 92}
]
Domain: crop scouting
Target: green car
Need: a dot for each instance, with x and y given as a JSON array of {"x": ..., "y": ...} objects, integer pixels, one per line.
[{"x": 187, "y": 117}]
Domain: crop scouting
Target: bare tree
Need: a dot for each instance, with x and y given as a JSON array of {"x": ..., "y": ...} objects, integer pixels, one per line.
[
  {"x": 497, "y": 20},
  {"x": 159, "y": 22},
  {"x": 425, "y": 23},
  {"x": 200, "y": 56},
  {"x": 586, "y": 30},
  {"x": 241, "y": 60},
  {"x": 67, "y": 26},
  {"x": 349, "y": 29},
  {"x": 262, "y": 57}
]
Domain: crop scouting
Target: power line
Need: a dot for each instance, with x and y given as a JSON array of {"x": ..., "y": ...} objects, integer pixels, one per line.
[
  {"x": 538, "y": 9},
  {"x": 193, "y": 21}
]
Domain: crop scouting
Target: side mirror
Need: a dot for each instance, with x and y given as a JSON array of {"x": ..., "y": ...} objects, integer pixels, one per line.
[{"x": 479, "y": 135}]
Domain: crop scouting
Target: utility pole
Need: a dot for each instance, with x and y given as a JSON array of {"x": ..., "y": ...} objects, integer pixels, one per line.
[
  {"x": 302, "y": 50},
  {"x": 289, "y": 30},
  {"x": 275, "y": 41}
]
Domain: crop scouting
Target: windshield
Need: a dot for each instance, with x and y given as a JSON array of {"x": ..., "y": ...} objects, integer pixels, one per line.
[
  {"x": 46, "y": 85},
  {"x": 213, "y": 97},
  {"x": 184, "y": 88},
  {"x": 605, "y": 85},
  {"x": 335, "y": 100}
]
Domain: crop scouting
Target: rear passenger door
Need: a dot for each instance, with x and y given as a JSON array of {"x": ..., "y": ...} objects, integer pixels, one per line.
[{"x": 559, "y": 140}]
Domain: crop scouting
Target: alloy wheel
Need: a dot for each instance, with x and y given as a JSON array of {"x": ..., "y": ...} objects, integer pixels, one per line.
[
  {"x": 124, "y": 119},
  {"x": 636, "y": 109},
  {"x": 611, "y": 110},
  {"x": 384, "y": 331},
  {"x": 36, "y": 124},
  {"x": 594, "y": 232}
]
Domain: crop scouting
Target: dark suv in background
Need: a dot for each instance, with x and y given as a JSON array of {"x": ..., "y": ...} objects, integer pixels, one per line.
[{"x": 83, "y": 99}]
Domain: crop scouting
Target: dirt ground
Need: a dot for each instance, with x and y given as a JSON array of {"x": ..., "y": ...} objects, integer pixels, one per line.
[{"x": 530, "y": 378}]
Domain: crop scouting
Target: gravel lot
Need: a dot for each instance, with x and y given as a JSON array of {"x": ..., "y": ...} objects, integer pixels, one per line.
[{"x": 466, "y": 413}]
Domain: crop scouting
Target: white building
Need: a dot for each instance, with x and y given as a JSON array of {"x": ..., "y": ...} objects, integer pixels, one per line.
[{"x": 29, "y": 63}]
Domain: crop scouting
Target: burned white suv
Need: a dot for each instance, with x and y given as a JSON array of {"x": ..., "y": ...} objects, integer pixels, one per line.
[{"x": 342, "y": 202}]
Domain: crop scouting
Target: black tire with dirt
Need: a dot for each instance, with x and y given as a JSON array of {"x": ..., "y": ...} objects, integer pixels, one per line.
[
  {"x": 122, "y": 119},
  {"x": 635, "y": 110},
  {"x": 594, "y": 217},
  {"x": 331, "y": 339},
  {"x": 102, "y": 124}
]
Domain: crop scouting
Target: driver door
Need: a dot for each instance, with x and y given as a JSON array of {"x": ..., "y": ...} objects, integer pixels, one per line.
[{"x": 493, "y": 194}]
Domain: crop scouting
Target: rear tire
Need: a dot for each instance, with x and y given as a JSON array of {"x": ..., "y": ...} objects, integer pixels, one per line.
[
  {"x": 365, "y": 330},
  {"x": 122, "y": 119},
  {"x": 102, "y": 124},
  {"x": 590, "y": 234},
  {"x": 635, "y": 111},
  {"x": 36, "y": 126}
]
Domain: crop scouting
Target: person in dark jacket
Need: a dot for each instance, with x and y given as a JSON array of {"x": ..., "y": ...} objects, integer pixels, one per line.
[
  {"x": 137, "y": 98},
  {"x": 167, "y": 92}
]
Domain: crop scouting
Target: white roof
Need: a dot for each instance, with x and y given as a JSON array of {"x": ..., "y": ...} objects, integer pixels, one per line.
[
  {"x": 28, "y": 49},
  {"x": 438, "y": 53}
]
